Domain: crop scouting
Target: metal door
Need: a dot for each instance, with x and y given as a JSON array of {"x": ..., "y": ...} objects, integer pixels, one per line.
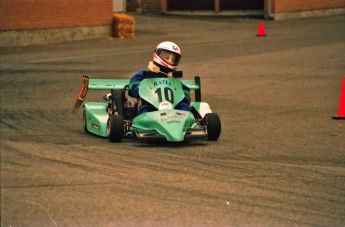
[
  {"x": 241, "y": 5},
  {"x": 190, "y": 5}
]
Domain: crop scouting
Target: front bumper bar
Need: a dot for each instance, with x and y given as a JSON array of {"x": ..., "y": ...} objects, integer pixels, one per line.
[{"x": 154, "y": 136}]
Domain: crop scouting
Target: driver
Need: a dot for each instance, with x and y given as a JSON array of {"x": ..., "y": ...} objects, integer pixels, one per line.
[{"x": 165, "y": 60}]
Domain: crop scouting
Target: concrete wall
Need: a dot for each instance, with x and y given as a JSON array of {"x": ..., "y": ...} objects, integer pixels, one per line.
[
  {"x": 24, "y": 22},
  {"x": 52, "y": 35}
]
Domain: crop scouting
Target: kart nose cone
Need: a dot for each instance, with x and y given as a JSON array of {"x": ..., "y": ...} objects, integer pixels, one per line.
[{"x": 172, "y": 124}]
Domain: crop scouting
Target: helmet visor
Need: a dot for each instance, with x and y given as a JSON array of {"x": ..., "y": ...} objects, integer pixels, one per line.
[{"x": 169, "y": 57}]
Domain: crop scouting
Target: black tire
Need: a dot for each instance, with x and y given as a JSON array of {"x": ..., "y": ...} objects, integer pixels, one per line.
[
  {"x": 213, "y": 126},
  {"x": 118, "y": 98},
  {"x": 84, "y": 121},
  {"x": 115, "y": 128}
]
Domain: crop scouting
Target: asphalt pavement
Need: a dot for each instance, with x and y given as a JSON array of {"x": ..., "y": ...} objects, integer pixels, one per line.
[{"x": 280, "y": 160}]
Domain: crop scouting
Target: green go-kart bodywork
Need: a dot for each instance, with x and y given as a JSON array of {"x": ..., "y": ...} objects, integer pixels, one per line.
[{"x": 118, "y": 118}]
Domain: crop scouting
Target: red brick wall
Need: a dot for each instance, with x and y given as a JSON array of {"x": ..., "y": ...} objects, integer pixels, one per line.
[
  {"x": 279, "y": 6},
  {"x": 38, "y": 14}
]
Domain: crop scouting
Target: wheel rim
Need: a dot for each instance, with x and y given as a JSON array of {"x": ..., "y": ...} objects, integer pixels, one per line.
[{"x": 108, "y": 127}]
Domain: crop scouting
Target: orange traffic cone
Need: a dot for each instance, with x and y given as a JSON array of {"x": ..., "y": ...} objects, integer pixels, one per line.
[
  {"x": 261, "y": 30},
  {"x": 341, "y": 112}
]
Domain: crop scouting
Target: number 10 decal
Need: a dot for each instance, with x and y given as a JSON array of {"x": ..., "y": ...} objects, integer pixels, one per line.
[{"x": 168, "y": 94}]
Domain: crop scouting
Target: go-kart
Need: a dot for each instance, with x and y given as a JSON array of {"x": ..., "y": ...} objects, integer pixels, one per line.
[{"x": 118, "y": 118}]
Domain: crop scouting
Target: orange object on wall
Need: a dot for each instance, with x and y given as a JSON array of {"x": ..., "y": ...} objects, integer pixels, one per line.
[{"x": 123, "y": 26}]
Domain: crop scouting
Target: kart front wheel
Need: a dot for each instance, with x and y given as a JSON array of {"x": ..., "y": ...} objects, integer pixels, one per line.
[
  {"x": 115, "y": 128},
  {"x": 213, "y": 126}
]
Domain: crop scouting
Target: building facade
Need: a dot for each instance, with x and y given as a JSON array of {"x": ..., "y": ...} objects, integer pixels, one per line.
[
  {"x": 24, "y": 22},
  {"x": 272, "y": 9}
]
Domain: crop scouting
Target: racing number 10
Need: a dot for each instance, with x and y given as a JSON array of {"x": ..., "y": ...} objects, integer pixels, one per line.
[{"x": 168, "y": 94}]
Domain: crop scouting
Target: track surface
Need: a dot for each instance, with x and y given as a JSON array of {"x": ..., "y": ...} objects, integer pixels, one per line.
[{"x": 279, "y": 161}]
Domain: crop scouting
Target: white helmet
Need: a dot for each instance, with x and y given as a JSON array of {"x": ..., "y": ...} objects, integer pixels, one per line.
[{"x": 168, "y": 55}]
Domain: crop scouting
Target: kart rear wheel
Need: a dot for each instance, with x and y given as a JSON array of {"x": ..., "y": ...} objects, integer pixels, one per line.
[
  {"x": 213, "y": 126},
  {"x": 115, "y": 128},
  {"x": 84, "y": 121}
]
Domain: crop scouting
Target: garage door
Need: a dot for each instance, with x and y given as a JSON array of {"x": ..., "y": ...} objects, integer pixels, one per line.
[
  {"x": 241, "y": 4},
  {"x": 192, "y": 5}
]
